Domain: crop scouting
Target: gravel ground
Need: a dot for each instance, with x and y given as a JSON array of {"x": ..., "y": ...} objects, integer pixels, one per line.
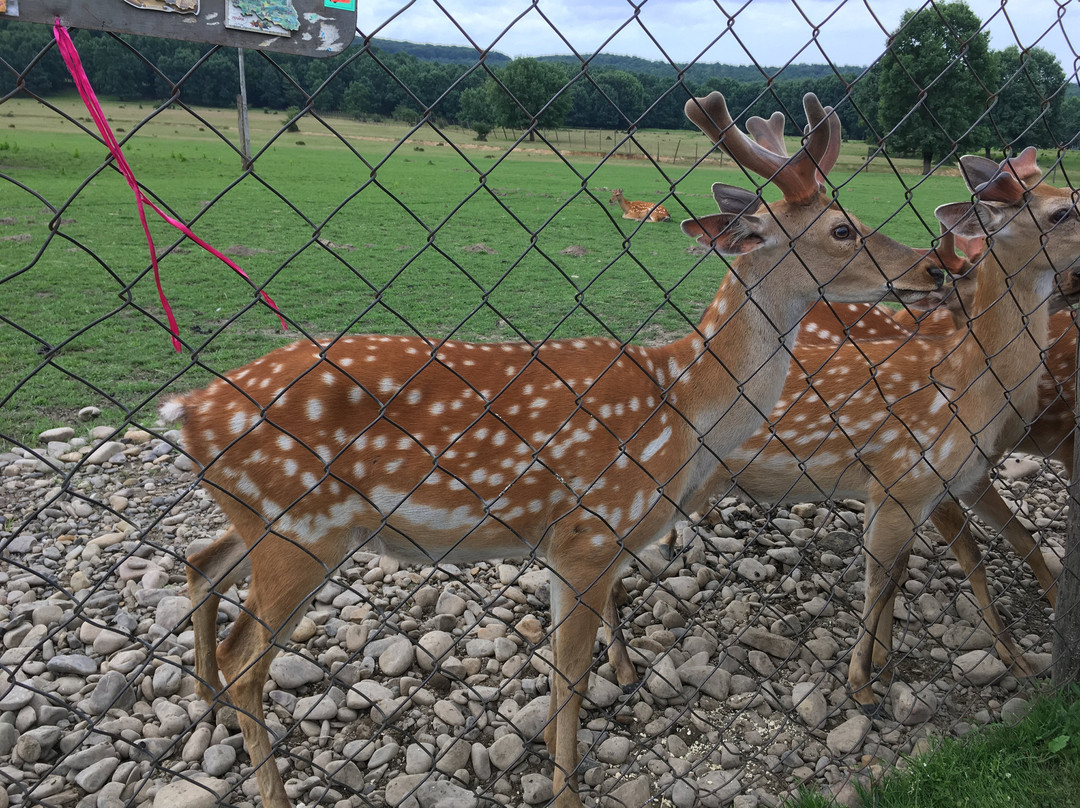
[{"x": 740, "y": 643}]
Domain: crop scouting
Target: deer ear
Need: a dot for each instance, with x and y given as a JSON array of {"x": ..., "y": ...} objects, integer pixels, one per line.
[
  {"x": 727, "y": 233},
  {"x": 736, "y": 200},
  {"x": 971, "y": 220}
]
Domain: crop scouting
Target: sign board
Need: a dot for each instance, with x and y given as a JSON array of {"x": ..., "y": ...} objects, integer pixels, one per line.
[{"x": 303, "y": 27}]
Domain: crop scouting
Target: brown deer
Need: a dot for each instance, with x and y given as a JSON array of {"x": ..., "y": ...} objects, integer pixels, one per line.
[
  {"x": 1050, "y": 435},
  {"x": 579, "y": 452},
  {"x": 902, "y": 425},
  {"x": 639, "y": 211}
]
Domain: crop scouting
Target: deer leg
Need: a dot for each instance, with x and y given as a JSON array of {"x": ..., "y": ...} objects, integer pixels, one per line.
[
  {"x": 883, "y": 636},
  {"x": 955, "y": 531},
  {"x": 210, "y": 571},
  {"x": 578, "y": 598},
  {"x": 887, "y": 544},
  {"x": 284, "y": 578},
  {"x": 625, "y": 672},
  {"x": 667, "y": 545},
  {"x": 992, "y": 509}
]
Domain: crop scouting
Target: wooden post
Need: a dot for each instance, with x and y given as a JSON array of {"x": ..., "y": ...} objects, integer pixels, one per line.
[
  {"x": 1066, "y": 668},
  {"x": 242, "y": 114}
]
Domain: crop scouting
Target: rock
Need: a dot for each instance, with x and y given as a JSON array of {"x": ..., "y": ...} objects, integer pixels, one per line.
[
  {"x": 218, "y": 759},
  {"x": 400, "y": 789},
  {"x": 363, "y": 695},
  {"x": 978, "y": 668},
  {"x": 434, "y": 648},
  {"x": 1014, "y": 710},
  {"x": 75, "y": 664},
  {"x": 89, "y": 413},
  {"x": 13, "y": 695},
  {"x": 751, "y": 569},
  {"x": 315, "y": 708},
  {"x": 762, "y": 639},
  {"x": 93, "y": 777},
  {"x": 717, "y": 788},
  {"x": 536, "y": 788},
  {"x": 105, "y": 452},
  {"x": 173, "y": 612},
  {"x": 383, "y": 755},
  {"x": 450, "y": 603},
  {"x": 601, "y": 692},
  {"x": 291, "y": 671},
  {"x": 531, "y": 719},
  {"x": 531, "y": 629},
  {"x": 167, "y": 680},
  {"x": 443, "y": 794},
  {"x": 663, "y": 679},
  {"x": 911, "y": 708},
  {"x": 60, "y": 433},
  {"x": 810, "y": 704},
  {"x": 712, "y": 681},
  {"x": 614, "y": 750},
  {"x": 397, "y": 657},
  {"x": 507, "y": 751},
  {"x": 113, "y": 691},
  {"x": 847, "y": 737},
  {"x": 636, "y": 793},
  {"x": 203, "y": 792}
]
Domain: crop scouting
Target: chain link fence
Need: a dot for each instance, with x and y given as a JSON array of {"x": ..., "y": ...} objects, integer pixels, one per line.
[{"x": 524, "y": 208}]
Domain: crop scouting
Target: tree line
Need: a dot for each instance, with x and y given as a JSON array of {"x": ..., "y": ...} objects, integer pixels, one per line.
[{"x": 938, "y": 89}]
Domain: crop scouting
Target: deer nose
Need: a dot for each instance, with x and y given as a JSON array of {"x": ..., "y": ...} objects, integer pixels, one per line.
[{"x": 937, "y": 274}]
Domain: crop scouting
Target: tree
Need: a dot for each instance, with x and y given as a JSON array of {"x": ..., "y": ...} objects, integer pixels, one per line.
[
  {"x": 1070, "y": 122},
  {"x": 613, "y": 99},
  {"x": 475, "y": 112},
  {"x": 529, "y": 94},
  {"x": 933, "y": 84},
  {"x": 1029, "y": 104}
]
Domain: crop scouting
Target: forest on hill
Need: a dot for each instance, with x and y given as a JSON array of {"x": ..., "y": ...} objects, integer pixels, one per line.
[{"x": 982, "y": 100}]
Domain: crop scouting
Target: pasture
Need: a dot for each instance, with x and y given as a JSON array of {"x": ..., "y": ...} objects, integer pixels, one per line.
[
  {"x": 350, "y": 227},
  {"x": 741, "y": 641}
]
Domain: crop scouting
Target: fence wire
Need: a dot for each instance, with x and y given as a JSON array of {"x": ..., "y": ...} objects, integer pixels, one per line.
[{"x": 505, "y": 231}]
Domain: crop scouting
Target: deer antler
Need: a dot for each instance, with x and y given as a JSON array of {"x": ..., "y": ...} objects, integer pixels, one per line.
[
  {"x": 769, "y": 133},
  {"x": 797, "y": 177},
  {"x": 998, "y": 182},
  {"x": 1024, "y": 166},
  {"x": 945, "y": 250}
]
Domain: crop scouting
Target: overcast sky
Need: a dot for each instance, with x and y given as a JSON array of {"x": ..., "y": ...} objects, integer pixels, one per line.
[{"x": 769, "y": 32}]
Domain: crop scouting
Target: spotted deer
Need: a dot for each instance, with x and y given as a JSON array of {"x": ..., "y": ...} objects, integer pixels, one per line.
[
  {"x": 577, "y": 452},
  {"x": 905, "y": 426},
  {"x": 639, "y": 211},
  {"x": 1050, "y": 434}
]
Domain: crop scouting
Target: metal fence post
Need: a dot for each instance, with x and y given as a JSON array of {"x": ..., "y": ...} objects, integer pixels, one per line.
[{"x": 1066, "y": 668}]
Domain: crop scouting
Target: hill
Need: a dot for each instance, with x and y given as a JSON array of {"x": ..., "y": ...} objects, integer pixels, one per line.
[{"x": 458, "y": 54}]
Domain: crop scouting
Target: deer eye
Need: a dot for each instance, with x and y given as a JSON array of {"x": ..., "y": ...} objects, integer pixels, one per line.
[
  {"x": 843, "y": 232},
  {"x": 1060, "y": 215}
]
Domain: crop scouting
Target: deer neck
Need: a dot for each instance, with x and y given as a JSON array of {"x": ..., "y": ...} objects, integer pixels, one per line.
[
  {"x": 623, "y": 203},
  {"x": 996, "y": 386},
  {"x": 739, "y": 353}
]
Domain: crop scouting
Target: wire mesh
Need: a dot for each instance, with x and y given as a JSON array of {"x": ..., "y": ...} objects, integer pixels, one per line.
[{"x": 467, "y": 215}]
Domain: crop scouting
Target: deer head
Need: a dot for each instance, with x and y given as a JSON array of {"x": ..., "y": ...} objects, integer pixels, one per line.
[{"x": 815, "y": 246}]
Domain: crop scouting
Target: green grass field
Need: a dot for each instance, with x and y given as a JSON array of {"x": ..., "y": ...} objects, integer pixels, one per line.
[
  {"x": 351, "y": 227},
  {"x": 1034, "y": 764}
]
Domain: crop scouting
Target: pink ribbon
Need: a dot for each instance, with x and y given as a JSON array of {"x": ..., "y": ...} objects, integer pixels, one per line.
[{"x": 74, "y": 65}]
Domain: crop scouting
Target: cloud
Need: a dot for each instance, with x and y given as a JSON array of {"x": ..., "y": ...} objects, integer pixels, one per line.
[{"x": 765, "y": 32}]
